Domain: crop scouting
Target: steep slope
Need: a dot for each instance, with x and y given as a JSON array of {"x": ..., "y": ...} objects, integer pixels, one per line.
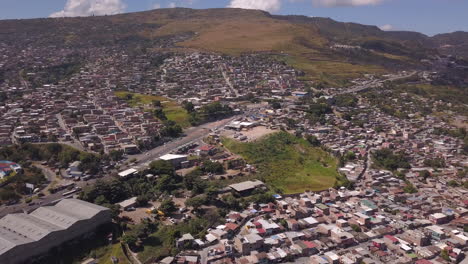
[
  {"x": 309, "y": 44},
  {"x": 455, "y": 43}
]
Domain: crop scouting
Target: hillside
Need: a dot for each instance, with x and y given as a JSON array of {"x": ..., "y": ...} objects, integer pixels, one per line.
[
  {"x": 289, "y": 164},
  {"x": 307, "y": 43}
]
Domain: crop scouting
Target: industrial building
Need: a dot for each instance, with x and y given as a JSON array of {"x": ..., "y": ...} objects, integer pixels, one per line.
[{"x": 24, "y": 236}]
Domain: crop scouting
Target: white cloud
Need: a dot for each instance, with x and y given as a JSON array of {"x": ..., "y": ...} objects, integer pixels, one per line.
[
  {"x": 266, "y": 5},
  {"x": 335, "y": 3},
  {"x": 172, "y": 5},
  {"x": 90, "y": 7},
  {"x": 156, "y": 6},
  {"x": 386, "y": 27}
]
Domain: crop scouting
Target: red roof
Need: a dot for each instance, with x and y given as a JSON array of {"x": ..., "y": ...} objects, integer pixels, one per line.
[
  {"x": 261, "y": 230},
  {"x": 206, "y": 148},
  {"x": 392, "y": 238},
  {"x": 309, "y": 244},
  {"x": 231, "y": 226}
]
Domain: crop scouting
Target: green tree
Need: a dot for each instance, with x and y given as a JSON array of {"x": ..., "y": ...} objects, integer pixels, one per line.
[
  {"x": 188, "y": 106},
  {"x": 168, "y": 207},
  {"x": 159, "y": 167},
  {"x": 213, "y": 167},
  {"x": 129, "y": 239},
  {"x": 313, "y": 140},
  {"x": 196, "y": 202}
]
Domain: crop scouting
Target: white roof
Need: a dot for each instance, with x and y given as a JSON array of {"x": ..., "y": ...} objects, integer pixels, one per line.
[
  {"x": 128, "y": 202},
  {"x": 168, "y": 157},
  {"x": 128, "y": 172}
]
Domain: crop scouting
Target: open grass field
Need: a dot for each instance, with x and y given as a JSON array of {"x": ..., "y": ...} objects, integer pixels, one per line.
[
  {"x": 161, "y": 244},
  {"x": 288, "y": 163},
  {"x": 172, "y": 109},
  {"x": 115, "y": 250}
]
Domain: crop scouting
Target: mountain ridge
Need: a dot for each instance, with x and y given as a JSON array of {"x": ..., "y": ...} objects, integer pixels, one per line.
[{"x": 322, "y": 47}]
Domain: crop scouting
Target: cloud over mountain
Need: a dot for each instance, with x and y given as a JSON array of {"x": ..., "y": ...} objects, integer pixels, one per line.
[
  {"x": 338, "y": 3},
  {"x": 266, "y": 5},
  {"x": 90, "y": 7}
]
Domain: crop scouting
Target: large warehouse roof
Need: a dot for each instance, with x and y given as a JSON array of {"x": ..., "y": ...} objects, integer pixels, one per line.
[
  {"x": 18, "y": 229},
  {"x": 247, "y": 185}
]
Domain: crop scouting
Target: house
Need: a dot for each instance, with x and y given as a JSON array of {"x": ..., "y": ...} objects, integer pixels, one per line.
[
  {"x": 174, "y": 159},
  {"x": 74, "y": 170},
  {"x": 127, "y": 173},
  {"x": 129, "y": 203},
  {"x": 248, "y": 243},
  {"x": 245, "y": 188},
  {"x": 299, "y": 93},
  {"x": 185, "y": 240},
  {"x": 130, "y": 149},
  {"x": 207, "y": 150}
]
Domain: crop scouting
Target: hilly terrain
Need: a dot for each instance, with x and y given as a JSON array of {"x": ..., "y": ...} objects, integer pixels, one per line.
[{"x": 327, "y": 51}]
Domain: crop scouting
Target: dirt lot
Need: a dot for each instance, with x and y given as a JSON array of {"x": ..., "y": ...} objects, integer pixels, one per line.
[
  {"x": 252, "y": 134},
  {"x": 141, "y": 212}
]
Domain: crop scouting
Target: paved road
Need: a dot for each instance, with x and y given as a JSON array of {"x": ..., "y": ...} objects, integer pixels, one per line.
[
  {"x": 229, "y": 83},
  {"x": 374, "y": 83},
  {"x": 192, "y": 135}
]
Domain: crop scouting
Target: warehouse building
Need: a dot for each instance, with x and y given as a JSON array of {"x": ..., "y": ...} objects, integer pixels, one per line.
[{"x": 24, "y": 236}]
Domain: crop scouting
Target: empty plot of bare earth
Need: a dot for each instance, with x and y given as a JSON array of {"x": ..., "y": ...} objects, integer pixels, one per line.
[{"x": 250, "y": 134}]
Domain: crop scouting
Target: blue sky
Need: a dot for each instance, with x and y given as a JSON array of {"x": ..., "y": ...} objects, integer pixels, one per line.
[{"x": 426, "y": 16}]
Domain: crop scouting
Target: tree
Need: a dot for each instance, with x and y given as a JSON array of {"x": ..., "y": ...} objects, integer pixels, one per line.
[
  {"x": 196, "y": 202},
  {"x": 213, "y": 167},
  {"x": 142, "y": 200},
  {"x": 435, "y": 163},
  {"x": 424, "y": 174},
  {"x": 313, "y": 140},
  {"x": 385, "y": 158},
  {"x": 159, "y": 113},
  {"x": 168, "y": 207},
  {"x": 356, "y": 228},
  {"x": 444, "y": 254},
  {"x": 453, "y": 183},
  {"x": 188, "y": 106},
  {"x": 159, "y": 167},
  {"x": 171, "y": 129},
  {"x": 409, "y": 188},
  {"x": 276, "y": 105},
  {"x": 116, "y": 155},
  {"x": 129, "y": 239},
  {"x": 350, "y": 155},
  {"x": 157, "y": 103}
]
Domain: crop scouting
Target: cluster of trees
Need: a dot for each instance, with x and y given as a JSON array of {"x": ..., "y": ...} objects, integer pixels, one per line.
[
  {"x": 313, "y": 140},
  {"x": 435, "y": 163},
  {"x": 53, "y": 153},
  {"x": 207, "y": 113},
  {"x": 212, "y": 167},
  {"x": 345, "y": 100},
  {"x": 56, "y": 73},
  {"x": 317, "y": 111},
  {"x": 387, "y": 159},
  {"x": 460, "y": 133},
  {"x": 171, "y": 129},
  {"x": 108, "y": 192}
]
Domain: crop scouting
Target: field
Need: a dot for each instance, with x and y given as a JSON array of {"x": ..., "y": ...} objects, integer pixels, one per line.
[
  {"x": 172, "y": 109},
  {"x": 287, "y": 163},
  {"x": 161, "y": 244},
  {"x": 115, "y": 250}
]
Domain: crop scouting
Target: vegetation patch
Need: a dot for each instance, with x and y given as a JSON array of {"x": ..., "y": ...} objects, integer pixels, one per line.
[
  {"x": 171, "y": 109},
  {"x": 288, "y": 163}
]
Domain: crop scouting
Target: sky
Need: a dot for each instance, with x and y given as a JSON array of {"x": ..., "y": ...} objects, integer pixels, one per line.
[{"x": 426, "y": 16}]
